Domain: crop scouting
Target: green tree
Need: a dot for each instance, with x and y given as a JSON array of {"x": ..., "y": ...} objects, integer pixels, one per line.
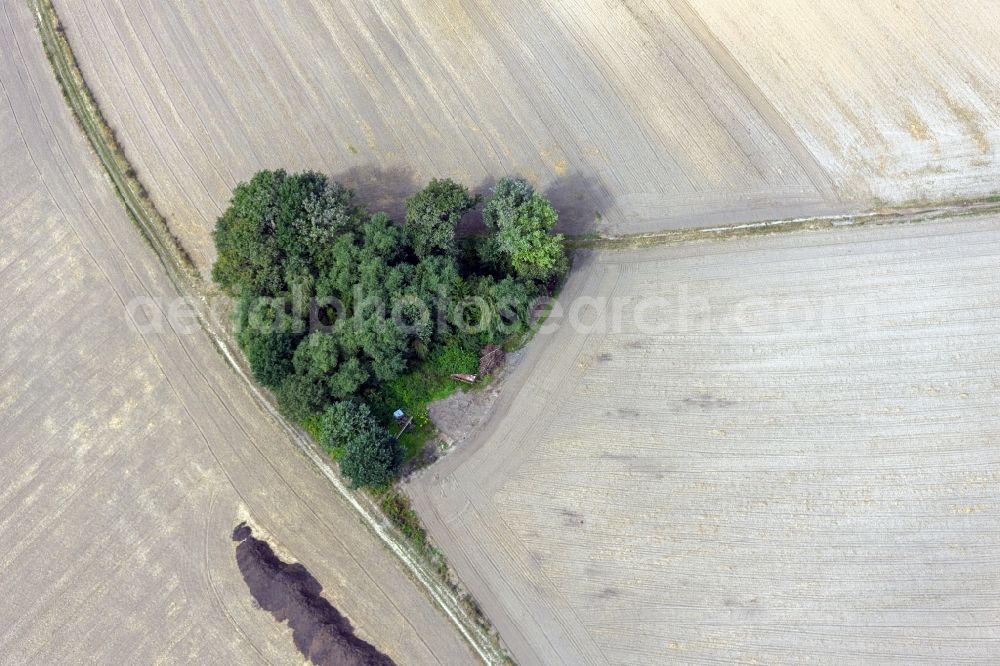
[
  {"x": 301, "y": 397},
  {"x": 269, "y": 355},
  {"x": 249, "y": 261},
  {"x": 348, "y": 379},
  {"x": 327, "y": 214},
  {"x": 332, "y": 360},
  {"x": 385, "y": 346},
  {"x": 510, "y": 302},
  {"x": 432, "y": 215},
  {"x": 260, "y": 228},
  {"x": 383, "y": 239},
  {"x": 491, "y": 310},
  {"x": 296, "y": 250},
  {"x": 338, "y": 280},
  {"x": 340, "y": 421},
  {"x": 522, "y": 243},
  {"x": 268, "y": 337},
  {"x": 435, "y": 281},
  {"x": 506, "y": 199},
  {"x": 370, "y": 456}
]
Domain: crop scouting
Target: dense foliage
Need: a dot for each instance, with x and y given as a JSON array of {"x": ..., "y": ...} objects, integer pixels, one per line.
[
  {"x": 433, "y": 214},
  {"x": 522, "y": 242},
  {"x": 335, "y": 306},
  {"x": 368, "y": 456}
]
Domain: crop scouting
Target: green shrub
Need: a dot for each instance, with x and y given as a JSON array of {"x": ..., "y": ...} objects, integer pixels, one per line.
[
  {"x": 397, "y": 509},
  {"x": 368, "y": 456}
]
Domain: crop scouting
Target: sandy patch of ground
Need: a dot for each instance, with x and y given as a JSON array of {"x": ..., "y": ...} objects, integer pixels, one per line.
[{"x": 459, "y": 415}]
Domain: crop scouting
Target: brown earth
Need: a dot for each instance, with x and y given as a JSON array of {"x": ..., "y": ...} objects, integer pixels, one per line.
[{"x": 290, "y": 593}]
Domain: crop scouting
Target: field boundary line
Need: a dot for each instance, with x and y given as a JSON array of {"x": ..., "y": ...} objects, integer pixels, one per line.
[
  {"x": 889, "y": 215},
  {"x": 188, "y": 282}
]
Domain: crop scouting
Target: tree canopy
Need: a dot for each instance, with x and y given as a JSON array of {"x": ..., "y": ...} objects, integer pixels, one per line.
[
  {"x": 432, "y": 215},
  {"x": 370, "y": 456},
  {"x": 522, "y": 243},
  {"x": 334, "y": 302}
]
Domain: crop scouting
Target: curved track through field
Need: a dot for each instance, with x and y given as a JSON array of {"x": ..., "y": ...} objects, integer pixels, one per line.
[
  {"x": 128, "y": 454},
  {"x": 811, "y": 475}
]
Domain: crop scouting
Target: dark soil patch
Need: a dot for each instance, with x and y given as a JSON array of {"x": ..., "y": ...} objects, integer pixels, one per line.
[
  {"x": 707, "y": 401},
  {"x": 291, "y": 594}
]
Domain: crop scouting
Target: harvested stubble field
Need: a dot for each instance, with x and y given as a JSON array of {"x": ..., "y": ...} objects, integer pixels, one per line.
[
  {"x": 127, "y": 456},
  {"x": 623, "y": 116},
  {"x": 788, "y": 451},
  {"x": 809, "y": 471},
  {"x": 897, "y": 100},
  {"x": 632, "y": 117}
]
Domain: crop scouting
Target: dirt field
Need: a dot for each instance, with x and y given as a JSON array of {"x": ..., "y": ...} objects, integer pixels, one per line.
[
  {"x": 786, "y": 452},
  {"x": 128, "y": 456},
  {"x": 790, "y": 456},
  {"x": 898, "y": 100},
  {"x": 621, "y": 115}
]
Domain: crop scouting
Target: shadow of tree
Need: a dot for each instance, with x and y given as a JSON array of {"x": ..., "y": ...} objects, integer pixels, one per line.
[
  {"x": 381, "y": 189},
  {"x": 581, "y": 200}
]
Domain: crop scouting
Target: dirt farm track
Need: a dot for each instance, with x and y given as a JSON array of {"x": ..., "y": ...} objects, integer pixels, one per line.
[
  {"x": 767, "y": 449},
  {"x": 126, "y": 458},
  {"x": 771, "y": 450}
]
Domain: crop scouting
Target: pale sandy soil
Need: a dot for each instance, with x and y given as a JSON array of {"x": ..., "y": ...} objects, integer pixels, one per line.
[
  {"x": 810, "y": 473},
  {"x": 621, "y": 114},
  {"x": 898, "y": 100},
  {"x": 633, "y": 116},
  {"x": 787, "y": 452},
  {"x": 127, "y": 457}
]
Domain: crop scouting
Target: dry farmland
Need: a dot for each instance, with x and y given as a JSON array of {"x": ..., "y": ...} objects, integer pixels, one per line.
[
  {"x": 780, "y": 449},
  {"x": 767, "y": 449},
  {"x": 632, "y": 117},
  {"x": 898, "y": 100},
  {"x": 127, "y": 456},
  {"x": 625, "y": 117}
]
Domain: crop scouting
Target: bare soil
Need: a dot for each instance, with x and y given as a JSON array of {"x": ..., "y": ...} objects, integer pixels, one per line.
[
  {"x": 785, "y": 452},
  {"x": 618, "y": 112},
  {"x": 460, "y": 414},
  {"x": 774, "y": 485},
  {"x": 897, "y": 100},
  {"x": 128, "y": 451}
]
